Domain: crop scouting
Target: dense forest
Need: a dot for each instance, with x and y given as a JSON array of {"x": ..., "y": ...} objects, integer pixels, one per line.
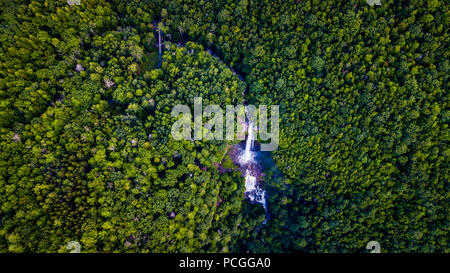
[{"x": 85, "y": 125}]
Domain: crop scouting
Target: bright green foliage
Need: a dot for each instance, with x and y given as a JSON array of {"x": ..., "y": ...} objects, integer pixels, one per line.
[{"x": 86, "y": 148}]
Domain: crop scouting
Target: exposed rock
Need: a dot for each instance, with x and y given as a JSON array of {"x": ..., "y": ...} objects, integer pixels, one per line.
[
  {"x": 127, "y": 244},
  {"x": 109, "y": 83},
  {"x": 16, "y": 137},
  {"x": 79, "y": 67}
]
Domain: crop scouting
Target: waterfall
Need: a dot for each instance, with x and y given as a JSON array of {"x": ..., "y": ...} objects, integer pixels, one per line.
[
  {"x": 250, "y": 184},
  {"x": 253, "y": 190},
  {"x": 248, "y": 155}
]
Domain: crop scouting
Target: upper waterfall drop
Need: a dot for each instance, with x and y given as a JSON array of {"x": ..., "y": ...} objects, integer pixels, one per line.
[{"x": 247, "y": 156}]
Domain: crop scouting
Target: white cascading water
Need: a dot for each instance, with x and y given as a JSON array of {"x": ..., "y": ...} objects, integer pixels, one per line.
[
  {"x": 250, "y": 183},
  {"x": 248, "y": 155},
  {"x": 252, "y": 190}
]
